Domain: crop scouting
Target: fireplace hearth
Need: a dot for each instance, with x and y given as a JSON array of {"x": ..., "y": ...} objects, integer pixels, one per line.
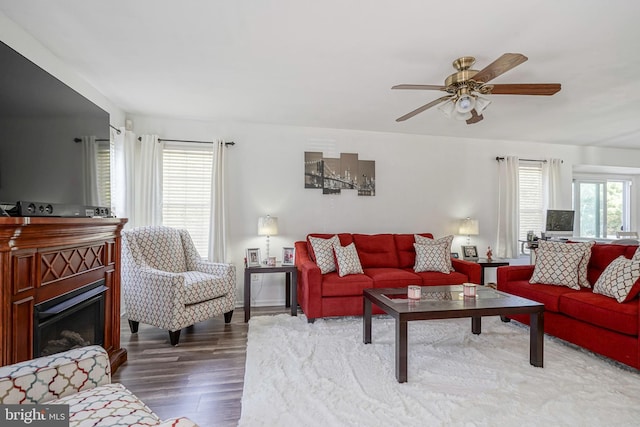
[{"x": 69, "y": 321}]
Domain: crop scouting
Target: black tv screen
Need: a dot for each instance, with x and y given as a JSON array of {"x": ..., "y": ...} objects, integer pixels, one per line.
[{"x": 40, "y": 117}]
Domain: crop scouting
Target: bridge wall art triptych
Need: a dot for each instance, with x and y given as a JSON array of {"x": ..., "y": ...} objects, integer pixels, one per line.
[{"x": 333, "y": 175}]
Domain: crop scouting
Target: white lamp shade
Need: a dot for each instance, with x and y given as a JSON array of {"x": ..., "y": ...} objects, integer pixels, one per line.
[
  {"x": 465, "y": 103},
  {"x": 469, "y": 227},
  {"x": 447, "y": 108},
  {"x": 267, "y": 225},
  {"x": 481, "y": 104}
]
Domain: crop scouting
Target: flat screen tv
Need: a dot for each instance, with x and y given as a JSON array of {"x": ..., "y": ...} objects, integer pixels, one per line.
[
  {"x": 40, "y": 117},
  {"x": 559, "y": 223}
]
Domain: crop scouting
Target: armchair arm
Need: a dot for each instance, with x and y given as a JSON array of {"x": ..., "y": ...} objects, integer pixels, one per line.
[
  {"x": 154, "y": 296},
  {"x": 215, "y": 268},
  {"x": 51, "y": 377},
  {"x": 309, "y": 282},
  {"x": 470, "y": 268}
]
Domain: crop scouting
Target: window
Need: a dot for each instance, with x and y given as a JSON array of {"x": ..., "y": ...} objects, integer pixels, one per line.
[
  {"x": 186, "y": 186},
  {"x": 602, "y": 206},
  {"x": 531, "y": 204},
  {"x": 103, "y": 166}
]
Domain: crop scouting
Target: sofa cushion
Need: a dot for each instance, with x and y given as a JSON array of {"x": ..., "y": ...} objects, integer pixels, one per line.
[
  {"x": 618, "y": 279},
  {"x": 601, "y": 311},
  {"x": 557, "y": 268},
  {"x": 352, "y": 285},
  {"x": 435, "y": 278},
  {"x": 549, "y": 295},
  {"x": 583, "y": 278},
  {"x": 323, "y": 252},
  {"x": 433, "y": 258},
  {"x": 405, "y": 249},
  {"x": 345, "y": 239},
  {"x": 447, "y": 240},
  {"x": 376, "y": 250},
  {"x": 602, "y": 255},
  {"x": 347, "y": 261},
  {"x": 392, "y": 277}
]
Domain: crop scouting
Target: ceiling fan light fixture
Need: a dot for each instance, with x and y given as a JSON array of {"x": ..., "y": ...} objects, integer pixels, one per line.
[
  {"x": 481, "y": 104},
  {"x": 466, "y": 102},
  {"x": 462, "y": 116},
  {"x": 448, "y": 108}
]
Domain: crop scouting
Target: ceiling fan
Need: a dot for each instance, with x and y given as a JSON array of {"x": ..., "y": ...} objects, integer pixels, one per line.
[{"x": 465, "y": 87}]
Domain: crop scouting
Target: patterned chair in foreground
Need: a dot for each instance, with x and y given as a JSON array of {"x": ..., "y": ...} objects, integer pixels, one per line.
[
  {"x": 166, "y": 284},
  {"x": 80, "y": 378}
]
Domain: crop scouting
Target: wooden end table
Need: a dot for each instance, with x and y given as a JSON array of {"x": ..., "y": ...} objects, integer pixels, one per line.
[
  {"x": 494, "y": 262},
  {"x": 291, "y": 284}
]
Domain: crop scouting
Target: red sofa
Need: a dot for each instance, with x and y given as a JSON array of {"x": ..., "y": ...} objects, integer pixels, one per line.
[
  {"x": 596, "y": 322},
  {"x": 387, "y": 261}
]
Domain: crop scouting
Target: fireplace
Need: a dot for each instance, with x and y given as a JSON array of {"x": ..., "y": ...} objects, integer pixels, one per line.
[{"x": 72, "y": 320}]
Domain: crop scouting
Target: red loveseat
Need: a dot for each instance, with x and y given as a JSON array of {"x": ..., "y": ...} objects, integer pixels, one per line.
[
  {"x": 387, "y": 261},
  {"x": 596, "y": 322}
]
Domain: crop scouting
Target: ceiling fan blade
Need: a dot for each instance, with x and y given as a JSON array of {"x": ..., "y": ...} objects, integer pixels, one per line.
[
  {"x": 499, "y": 66},
  {"x": 475, "y": 117},
  {"x": 423, "y": 108},
  {"x": 420, "y": 87},
  {"x": 525, "y": 89}
]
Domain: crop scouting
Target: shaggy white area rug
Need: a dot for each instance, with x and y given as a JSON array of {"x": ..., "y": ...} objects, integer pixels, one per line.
[{"x": 321, "y": 374}]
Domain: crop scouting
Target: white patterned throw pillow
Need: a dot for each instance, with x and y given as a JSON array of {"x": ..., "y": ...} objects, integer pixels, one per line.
[
  {"x": 323, "y": 251},
  {"x": 557, "y": 268},
  {"x": 432, "y": 258},
  {"x": 446, "y": 240},
  {"x": 618, "y": 279},
  {"x": 348, "y": 260},
  {"x": 561, "y": 248}
]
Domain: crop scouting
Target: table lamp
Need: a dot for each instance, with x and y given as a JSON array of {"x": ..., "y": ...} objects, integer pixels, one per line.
[
  {"x": 469, "y": 227},
  {"x": 267, "y": 226}
]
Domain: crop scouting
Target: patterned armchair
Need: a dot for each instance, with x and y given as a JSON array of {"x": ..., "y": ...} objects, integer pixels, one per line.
[
  {"x": 80, "y": 378},
  {"x": 166, "y": 284}
]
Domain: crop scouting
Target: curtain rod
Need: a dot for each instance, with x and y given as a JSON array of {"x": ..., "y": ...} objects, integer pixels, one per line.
[
  {"x": 118, "y": 131},
  {"x": 187, "y": 140},
  {"x": 528, "y": 160},
  {"x": 97, "y": 140}
]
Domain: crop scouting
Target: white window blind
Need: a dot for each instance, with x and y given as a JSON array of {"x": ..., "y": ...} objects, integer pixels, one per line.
[
  {"x": 531, "y": 199},
  {"x": 103, "y": 164},
  {"x": 186, "y": 184}
]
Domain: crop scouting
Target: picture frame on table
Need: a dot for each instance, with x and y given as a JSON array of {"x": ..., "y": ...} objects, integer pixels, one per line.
[
  {"x": 288, "y": 256},
  {"x": 470, "y": 252},
  {"x": 253, "y": 257}
]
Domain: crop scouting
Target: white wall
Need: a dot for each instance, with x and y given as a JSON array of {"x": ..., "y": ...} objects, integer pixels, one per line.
[{"x": 423, "y": 183}]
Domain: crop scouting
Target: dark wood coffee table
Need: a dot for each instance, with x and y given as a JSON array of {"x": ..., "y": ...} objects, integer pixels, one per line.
[{"x": 447, "y": 302}]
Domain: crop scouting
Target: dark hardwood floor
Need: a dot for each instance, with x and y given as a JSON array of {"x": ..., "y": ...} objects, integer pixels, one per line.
[{"x": 201, "y": 378}]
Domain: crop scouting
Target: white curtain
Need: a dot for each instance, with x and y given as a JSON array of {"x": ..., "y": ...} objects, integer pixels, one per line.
[
  {"x": 90, "y": 171},
  {"x": 137, "y": 179},
  {"x": 218, "y": 215},
  {"x": 124, "y": 156},
  {"x": 147, "y": 182},
  {"x": 551, "y": 176},
  {"x": 508, "y": 206}
]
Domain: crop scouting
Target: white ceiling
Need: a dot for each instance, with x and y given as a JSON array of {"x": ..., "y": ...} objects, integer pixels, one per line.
[{"x": 331, "y": 63}]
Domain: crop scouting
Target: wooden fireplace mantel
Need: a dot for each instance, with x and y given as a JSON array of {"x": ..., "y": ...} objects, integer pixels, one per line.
[{"x": 42, "y": 258}]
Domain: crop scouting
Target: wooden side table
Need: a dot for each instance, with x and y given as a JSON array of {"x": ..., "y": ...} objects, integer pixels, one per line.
[
  {"x": 291, "y": 283},
  {"x": 485, "y": 263}
]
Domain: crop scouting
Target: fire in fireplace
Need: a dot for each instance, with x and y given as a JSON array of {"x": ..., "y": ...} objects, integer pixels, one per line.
[{"x": 72, "y": 320}]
